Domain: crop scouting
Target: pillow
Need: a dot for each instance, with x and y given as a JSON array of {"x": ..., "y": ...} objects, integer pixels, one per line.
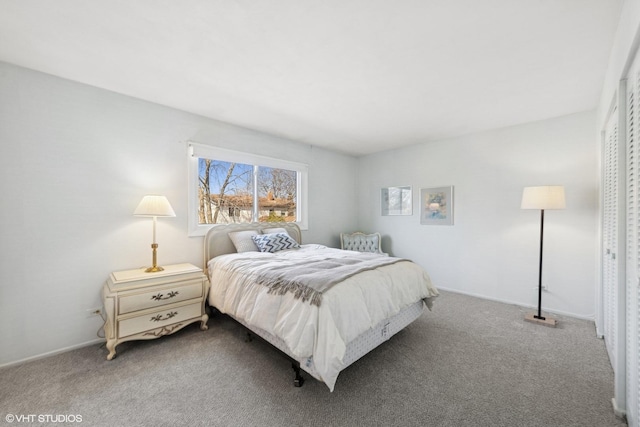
[
  {"x": 274, "y": 242},
  {"x": 242, "y": 240},
  {"x": 274, "y": 230}
]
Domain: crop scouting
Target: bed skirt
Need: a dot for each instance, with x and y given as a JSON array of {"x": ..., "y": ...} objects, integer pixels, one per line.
[{"x": 357, "y": 348}]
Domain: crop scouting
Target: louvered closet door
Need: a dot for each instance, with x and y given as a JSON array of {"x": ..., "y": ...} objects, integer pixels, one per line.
[
  {"x": 633, "y": 246},
  {"x": 610, "y": 236}
]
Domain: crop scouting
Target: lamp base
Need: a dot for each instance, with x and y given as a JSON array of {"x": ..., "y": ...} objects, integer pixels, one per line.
[
  {"x": 154, "y": 253},
  {"x": 545, "y": 321}
]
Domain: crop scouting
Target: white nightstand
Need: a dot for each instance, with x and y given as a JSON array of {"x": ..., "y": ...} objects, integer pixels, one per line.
[{"x": 142, "y": 306}]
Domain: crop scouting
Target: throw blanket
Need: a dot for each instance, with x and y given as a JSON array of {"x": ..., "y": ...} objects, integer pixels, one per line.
[{"x": 308, "y": 279}]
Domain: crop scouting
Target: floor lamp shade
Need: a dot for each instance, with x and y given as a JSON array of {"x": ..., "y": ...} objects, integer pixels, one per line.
[
  {"x": 541, "y": 198},
  {"x": 545, "y": 197},
  {"x": 154, "y": 206}
]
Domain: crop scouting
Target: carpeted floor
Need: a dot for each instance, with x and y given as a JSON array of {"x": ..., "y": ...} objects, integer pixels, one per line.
[{"x": 469, "y": 362}]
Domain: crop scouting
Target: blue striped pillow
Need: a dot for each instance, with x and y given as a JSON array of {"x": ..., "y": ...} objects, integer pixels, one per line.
[{"x": 274, "y": 242}]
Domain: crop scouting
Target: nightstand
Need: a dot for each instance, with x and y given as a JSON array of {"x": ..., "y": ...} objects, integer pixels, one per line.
[{"x": 142, "y": 306}]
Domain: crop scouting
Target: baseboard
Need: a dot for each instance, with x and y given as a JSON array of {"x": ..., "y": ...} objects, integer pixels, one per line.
[
  {"x": 620, "y": 413},
  {"x": 558, "y": 312},
  {"x": 52, "y": 353}
]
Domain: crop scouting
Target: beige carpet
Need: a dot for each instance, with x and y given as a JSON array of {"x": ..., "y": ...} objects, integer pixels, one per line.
[{"x": 469, "y": 362}]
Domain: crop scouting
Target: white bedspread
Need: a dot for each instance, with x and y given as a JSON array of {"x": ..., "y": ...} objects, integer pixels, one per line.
[{"x": 348, "y": 309}]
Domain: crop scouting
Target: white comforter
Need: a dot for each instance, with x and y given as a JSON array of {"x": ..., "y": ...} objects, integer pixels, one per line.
[{"x": 347, "y": 310}]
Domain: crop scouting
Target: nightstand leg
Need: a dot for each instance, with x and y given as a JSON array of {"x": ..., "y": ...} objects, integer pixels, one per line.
[
  {"x": 203, "y": 324},
  {"x": 111, "y": 346}
]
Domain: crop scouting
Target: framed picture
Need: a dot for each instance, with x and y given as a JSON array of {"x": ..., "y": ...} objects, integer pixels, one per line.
[
  {"x": 396, "y": 201},
  {"x": 436, "y": 206}
]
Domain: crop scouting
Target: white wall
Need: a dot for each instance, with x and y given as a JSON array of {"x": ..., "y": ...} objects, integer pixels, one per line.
[
  {"x": 75, "y": 162},
  {"x": 492, "y": 248}
]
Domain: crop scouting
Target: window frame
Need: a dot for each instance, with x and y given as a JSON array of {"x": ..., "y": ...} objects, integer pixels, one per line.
[{"x": 197, "y": 150}]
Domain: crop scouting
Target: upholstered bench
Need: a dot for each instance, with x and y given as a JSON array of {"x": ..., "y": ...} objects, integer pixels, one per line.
[{"x": 361, "y": 242}]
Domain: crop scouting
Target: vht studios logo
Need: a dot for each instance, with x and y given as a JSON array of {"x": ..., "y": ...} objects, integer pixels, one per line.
[{"x": 43, "y": 418}]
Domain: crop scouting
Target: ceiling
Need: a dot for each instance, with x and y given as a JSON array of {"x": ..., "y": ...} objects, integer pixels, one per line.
[{"x": 357, "y": 76}]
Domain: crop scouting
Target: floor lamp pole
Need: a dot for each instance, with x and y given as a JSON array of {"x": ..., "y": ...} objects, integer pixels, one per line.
[
  {"x": 539, "y": 316},
  {"x": 542, "y": 198}
]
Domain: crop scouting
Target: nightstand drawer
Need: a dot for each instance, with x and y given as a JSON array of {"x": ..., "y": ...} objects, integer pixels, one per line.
[
  {"x": 159, "y": 297},
  {"x": 159, "y": 319}
]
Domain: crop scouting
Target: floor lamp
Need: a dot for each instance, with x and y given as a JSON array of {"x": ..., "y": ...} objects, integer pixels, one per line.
[
  {"x": 154, "y": 206},
  {"x": 545, "y": 197}
]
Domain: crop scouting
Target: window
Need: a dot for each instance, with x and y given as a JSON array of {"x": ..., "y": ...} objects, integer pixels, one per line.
[
  {"x": 229, "y": 186},
  {"x": 225, "y": 192}
]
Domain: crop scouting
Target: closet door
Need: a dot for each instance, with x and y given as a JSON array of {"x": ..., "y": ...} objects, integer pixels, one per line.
[
  {"x": 632, "y": 291},
  {"x": 610, "y": 273},
  {"x": 614, "y": 244}
]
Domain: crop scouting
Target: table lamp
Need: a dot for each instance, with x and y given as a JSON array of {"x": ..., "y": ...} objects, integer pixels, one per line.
[{"x": 154, "y": 206}]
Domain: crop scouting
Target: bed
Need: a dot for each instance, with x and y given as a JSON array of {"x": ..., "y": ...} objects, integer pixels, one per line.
[{"x": 333, "y": 308}]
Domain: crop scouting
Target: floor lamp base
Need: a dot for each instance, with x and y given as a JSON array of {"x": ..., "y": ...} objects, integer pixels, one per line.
[{"x": 547, "y": 321}]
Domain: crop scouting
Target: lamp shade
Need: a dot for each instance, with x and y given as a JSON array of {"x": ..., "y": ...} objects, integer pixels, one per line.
[
  {"x": 545, "y": 197},
  {"x": 153, "y": 205}
]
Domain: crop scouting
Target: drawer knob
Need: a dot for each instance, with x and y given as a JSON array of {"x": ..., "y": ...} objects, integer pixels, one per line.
[
  {"x": 160, "y": 296},
  {"x": 160, "y": 318}
]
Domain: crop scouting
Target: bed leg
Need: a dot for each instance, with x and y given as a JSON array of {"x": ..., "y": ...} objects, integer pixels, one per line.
[{"x": 298, "y": 380}]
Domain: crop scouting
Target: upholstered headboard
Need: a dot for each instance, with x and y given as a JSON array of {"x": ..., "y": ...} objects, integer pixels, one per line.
[
  {"x": 361, "y": 242},
  {"x": 217, "y": 241}
]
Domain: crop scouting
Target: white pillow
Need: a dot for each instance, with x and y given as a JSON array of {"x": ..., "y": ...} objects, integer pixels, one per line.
[
  {"x": 274, "y": 230},
  {"x": 274, "y": 242},
  {"x": 243, "y": 242}
]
